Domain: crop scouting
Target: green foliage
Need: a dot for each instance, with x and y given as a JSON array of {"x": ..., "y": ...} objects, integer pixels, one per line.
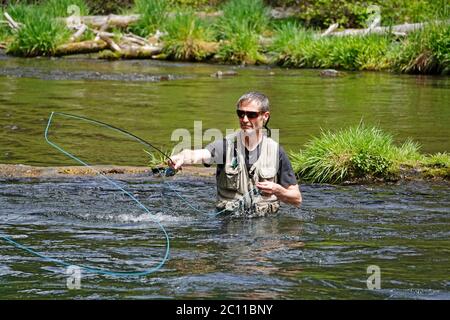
[
  {"x": 39, "y": 34},
  {"x": 157, "y": 159},
  {"x": 291, "y": 45},
  {"x": 424, "y": 51},
  {"x": 362, "y": 152},
  {"x": 352, "y": 153},
  {"x": 239, "y": 28},
  {"x": 438, "y": 160},
  {"x": 153, "y": 16},
  {"x": 437, "y": 165},
  {"x": 62, "y": 8},
  {"x": 407, "y": 154},
  {"x": 3, "y": 28},
  {"x": 295, "y": 46},
  {"x": 188, "y": 38},
  {"x": 356, "y": 13},
  {"x": 243, "y": 48},
  {"x": 191, "y": 3},
  {"x": 242, "y": 16}
]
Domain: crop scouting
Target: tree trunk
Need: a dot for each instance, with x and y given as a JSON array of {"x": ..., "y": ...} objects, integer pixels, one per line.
[{"x": 90, "y": 46}]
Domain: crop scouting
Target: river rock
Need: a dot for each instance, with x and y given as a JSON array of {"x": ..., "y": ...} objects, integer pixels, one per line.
[
  {"x": 220, "y": 74},
  {"x": 330, "y": 73}
]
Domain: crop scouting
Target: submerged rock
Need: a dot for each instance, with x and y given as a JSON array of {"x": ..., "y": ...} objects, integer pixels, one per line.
[
  {"x": 220, "y": 74},
  {"x": 331, "y": 73}
]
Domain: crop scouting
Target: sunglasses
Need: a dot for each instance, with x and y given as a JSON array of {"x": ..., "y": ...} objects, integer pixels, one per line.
[{"x": 250, "y": 114}]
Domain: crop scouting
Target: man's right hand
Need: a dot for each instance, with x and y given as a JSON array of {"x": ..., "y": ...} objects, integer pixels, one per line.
[
  {"x": 176, "y": 161},
  {"x": 189, "y": 157}
]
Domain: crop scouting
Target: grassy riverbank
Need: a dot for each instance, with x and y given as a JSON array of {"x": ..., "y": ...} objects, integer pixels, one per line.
[
  {"x": 246, "y": 33},
  {"x": 365, "y": 154}
]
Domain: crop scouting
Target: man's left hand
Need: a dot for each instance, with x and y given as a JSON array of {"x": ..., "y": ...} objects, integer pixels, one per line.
[{"x": 268, "y": 188}]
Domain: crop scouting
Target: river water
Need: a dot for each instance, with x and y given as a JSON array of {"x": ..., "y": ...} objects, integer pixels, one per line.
[{"x": 321, "y": 251}]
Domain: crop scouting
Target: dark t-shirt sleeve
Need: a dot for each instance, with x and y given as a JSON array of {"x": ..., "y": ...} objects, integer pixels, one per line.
[
  {"x": 217, "y": 150},
  {"x": 286, "y": 176}
]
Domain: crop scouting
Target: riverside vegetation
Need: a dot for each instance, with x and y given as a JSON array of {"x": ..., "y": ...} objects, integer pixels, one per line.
[{"x": 246, "y": 33}]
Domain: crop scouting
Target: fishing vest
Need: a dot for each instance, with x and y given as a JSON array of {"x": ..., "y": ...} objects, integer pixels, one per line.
[{"x": 236, "y": 187}]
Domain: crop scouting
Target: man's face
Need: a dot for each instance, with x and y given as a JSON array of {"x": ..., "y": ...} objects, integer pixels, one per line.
[{"x": 251, "y": 124}]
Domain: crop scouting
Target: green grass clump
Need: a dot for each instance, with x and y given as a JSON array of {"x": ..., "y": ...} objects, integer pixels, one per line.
[
  {"x": 243, "y": 48},
  {"x": 438, "y": 160},
  {"x": 363, "y": 153},
  {"x": 157, "y": 159},
  {"x": 243, "y": 15},
  {"x": 188, "y": 38},
  {"x": 239, "y": 27},
  {"x": 437, "y": 165},
  {"x": 296, "y": 47},
  {"x": 3, "y": 28},
  {"x": 153, "y": 16},
  {"x": 425, "y": 51},
  {"x": 352, "y": 153},
  {"x": 292, "y": 44},
  {"x": 65, "y": 8},
  {"x": 39, "y": 34}
]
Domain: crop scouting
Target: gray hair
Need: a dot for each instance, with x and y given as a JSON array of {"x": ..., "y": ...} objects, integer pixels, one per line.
[{"x": 257, "y": 97}]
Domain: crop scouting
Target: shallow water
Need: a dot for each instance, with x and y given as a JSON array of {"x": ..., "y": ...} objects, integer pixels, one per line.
[
  {"x": 320, "y": 251},
  {"x": 152, "y": 99}
]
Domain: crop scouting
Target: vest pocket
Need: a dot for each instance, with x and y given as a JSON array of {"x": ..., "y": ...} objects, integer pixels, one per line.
[
  {"x": 229, "y": 179},
  {"x": 267, "y": 174}
]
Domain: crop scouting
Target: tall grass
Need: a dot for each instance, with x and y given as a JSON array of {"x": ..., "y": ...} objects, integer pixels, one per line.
[
  {"x": 3, "y": 28},
  {"x": 188, "y": 38},
  {"x": 243, "y": 15},
  {"x": 239, "y": 27},
  {"x": 242, "y": 48},
  {"x": 335, "y": 157},
  {"x": 298, "y": 47},
  {"x": 62, "y": 8},
  {"x": 153, "y": 16},
  {"x": 39, "y": 34},
  {"x": 424, "y": 51}
]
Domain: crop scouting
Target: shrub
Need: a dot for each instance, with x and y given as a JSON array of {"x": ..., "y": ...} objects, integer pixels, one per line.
[
  {"x": 39, "y": 34},
  {"x": 424, "y": 51},
  {"x": 188, "y": 38},
  {"x": 153, "y": 16},
  {"x": 351, "y": 153}
]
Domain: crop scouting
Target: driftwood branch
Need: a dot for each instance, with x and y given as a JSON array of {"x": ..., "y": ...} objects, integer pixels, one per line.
[
  {"x": 79, "y": 33},
  {"x": 330, "y": 29},
  {"x": 12, "y": 24},
  {"x": 111, "y": 44}
]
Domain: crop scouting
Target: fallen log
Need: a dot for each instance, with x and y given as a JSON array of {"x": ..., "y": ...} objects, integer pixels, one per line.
[
  {"x": 402, "y": 29},
  {"x": 90, "y": 46},
  {"x": 140, "y": 52},
  {"x": 113, "y": 20}
]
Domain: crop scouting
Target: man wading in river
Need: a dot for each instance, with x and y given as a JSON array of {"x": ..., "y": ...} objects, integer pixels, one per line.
[{"x": 253, "y": 172}]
